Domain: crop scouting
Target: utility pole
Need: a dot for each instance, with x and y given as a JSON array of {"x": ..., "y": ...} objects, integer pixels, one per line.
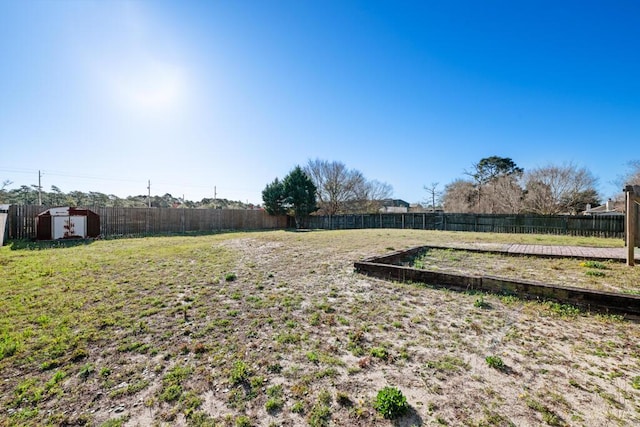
[
  {"x": 39, "y": 188},
  {"x": 215, "y": 193},
  {"x": 149, "y": 193}
]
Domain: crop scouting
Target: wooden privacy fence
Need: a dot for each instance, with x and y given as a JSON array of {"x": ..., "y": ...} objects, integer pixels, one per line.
[
  {"x": 145, "y": 221},
  {"x": 583, "y": 225}
]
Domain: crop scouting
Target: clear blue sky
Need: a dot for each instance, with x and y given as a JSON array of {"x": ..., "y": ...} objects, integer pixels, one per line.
[{"x": 195, "y": 94}]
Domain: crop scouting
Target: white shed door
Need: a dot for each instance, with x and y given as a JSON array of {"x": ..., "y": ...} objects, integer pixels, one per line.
[{"x": 69, "y": 226}]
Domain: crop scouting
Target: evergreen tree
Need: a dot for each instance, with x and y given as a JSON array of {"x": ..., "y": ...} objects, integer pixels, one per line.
[{"x": 300, "y": 192}]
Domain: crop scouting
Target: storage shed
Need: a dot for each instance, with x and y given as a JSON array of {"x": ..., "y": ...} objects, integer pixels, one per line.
[
  {"x": 67, "y": 223},
  {"x": 4, "y": 210}
]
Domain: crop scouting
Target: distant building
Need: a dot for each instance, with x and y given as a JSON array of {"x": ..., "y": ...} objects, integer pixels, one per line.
[
  {"x": 394, "y": 206},
  {"x": 609, "y": 208}
]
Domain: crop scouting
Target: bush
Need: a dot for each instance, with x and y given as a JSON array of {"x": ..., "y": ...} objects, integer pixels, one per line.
[{"x": 391, "y": 403}]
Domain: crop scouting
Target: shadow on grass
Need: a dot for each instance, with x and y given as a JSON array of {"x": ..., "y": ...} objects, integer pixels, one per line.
[
  {"x": 411, "y": 418},
  {"x": 36, "y": 245}
]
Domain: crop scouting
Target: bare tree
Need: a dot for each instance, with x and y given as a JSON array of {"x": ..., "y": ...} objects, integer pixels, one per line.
[
  {"x": 370, "y": 195},
  {"x": 503, "y": 195},
  {"x": 341, "y": 190},
  {"x": 335, "y": 184},
  {"x": 434, "y": 194},
  {"x": 459, "y": 196},
  {"x": 551, "y": 190}
]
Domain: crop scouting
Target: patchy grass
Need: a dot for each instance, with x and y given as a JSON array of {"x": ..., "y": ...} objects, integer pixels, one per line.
[{"x": 274, "y": 328}]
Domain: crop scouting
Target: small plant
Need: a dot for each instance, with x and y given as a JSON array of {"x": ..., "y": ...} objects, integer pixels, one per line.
[
  {"x": 594, "y": 264},
  {"x": 391, "y": 403},
  {"x": 274, "y": 404},
  {"x": 596, "y": 273},
  {"x": 635, "y": 383},
  {"x": 171, "y": 393},
  {"x": 243, "y": 421},
  {"x": 239, "y": 373},
  {"x": 495, "y": 362},
  {"x": 481, "y": 303},
  {"x": 380, "y": 353},
  {"x": 230, "y": 277},
  {"x": 297, "y": 408},
  {"x": 319, "y": 416},
  {"x": 86, "y": 371}
]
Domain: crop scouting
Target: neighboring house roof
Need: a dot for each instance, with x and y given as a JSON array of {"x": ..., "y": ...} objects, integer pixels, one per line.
[
  {"x": 395, "y": 203},
  {"x": 609, "y": 208}
]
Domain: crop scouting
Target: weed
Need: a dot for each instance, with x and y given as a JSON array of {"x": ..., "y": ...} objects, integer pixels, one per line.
[
  {"x": 595, "y": 273},
  {"x": 239, "y": 373},
  {"x": 391, "y": 403},
  {"x": 495, "y": 362},
  {"x": 593, "y": 264},
  {"x": 481, "y": 303},
  {"x": 230, "y": 277},
  {"x": 86, "y": 371},
  {"x": 297, "y": 407},
  {"x": 274, "y": 404},
  {"x": 319, "y": 416},
  {"x": 563, "y": 310},
  {"x": 171, "y": 393},
  {"x": 380, "y": 353},
  {"x": 635, "y": 383},
  {"x": 243, "y": 421}
]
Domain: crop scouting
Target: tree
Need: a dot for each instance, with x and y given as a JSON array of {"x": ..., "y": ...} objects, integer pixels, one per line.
[
  {"x": 490, "y": 168},
  {"x": 300, "y": 193},
  {"x": 342, "y": 190},
  {"x": 552, "y": 190},
  {"x": 434, "y": 195},
  {"x": 459, "y": 196},
  {"x": 487, "y": 171},
  {"x": 273, "y": 197}
]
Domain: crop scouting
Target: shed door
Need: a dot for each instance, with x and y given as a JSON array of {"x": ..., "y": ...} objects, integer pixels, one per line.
[{"x": 65, "y": 227}]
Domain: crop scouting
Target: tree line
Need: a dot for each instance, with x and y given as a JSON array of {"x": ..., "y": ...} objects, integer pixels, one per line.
[
  {"x": 497, "y": 185},
  {"x": 30, "y": 195}
]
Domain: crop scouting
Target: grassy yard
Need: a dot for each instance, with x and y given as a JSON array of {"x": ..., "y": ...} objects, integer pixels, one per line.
[{"x": 275, "y": 328}]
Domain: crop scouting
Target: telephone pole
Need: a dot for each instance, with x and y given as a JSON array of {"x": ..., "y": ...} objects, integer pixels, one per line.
[
  {"x": 149, "y": 193},
  {"x": 39, "y": 188}
]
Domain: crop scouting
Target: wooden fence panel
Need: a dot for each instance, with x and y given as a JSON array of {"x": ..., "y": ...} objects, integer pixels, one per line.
[
  {"x": 599, "y": 226},
  {"x": 116, "y": 221}
]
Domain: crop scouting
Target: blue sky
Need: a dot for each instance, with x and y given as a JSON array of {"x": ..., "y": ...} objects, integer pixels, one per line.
[{"x": 194, "y": 95}]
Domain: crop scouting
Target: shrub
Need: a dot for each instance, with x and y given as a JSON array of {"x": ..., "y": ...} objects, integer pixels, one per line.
[{"x": 391, "y": 403}]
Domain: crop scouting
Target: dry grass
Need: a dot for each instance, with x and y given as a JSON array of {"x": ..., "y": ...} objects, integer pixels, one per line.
[
  {"x": 612, "y": 276},
  {"x": 276, "y": 329}
]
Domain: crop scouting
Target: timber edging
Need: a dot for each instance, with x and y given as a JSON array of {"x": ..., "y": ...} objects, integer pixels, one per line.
[{"x": 591, "y": 300}]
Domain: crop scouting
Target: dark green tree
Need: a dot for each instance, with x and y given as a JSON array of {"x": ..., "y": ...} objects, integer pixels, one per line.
[
  {"x": 300, "y": 192},
  {"x": 274, "y": 198},
  {"x": 490, "y": 168}
]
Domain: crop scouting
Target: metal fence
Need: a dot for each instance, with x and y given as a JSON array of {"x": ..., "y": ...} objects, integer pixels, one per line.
[
  {"x": 582, "y": 225},
  {"x": 116, "y": 222}
]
